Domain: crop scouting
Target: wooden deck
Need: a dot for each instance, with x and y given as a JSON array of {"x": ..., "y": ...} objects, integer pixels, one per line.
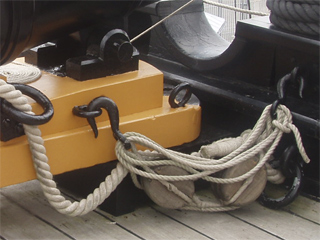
[{"x": 25, "y": 214}]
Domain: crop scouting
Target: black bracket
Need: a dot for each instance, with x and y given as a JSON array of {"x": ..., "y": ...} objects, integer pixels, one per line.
[{"x": 112, "y": 54}]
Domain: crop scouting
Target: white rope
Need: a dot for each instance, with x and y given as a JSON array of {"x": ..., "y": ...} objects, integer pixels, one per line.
[
  {"x": 235, "y": 8},
  {"x": 161, "y": 21},
  {"x": 22, "y": 73},
  {"x": 42, "y": 167},
  {"x": 264, "y": 137}
]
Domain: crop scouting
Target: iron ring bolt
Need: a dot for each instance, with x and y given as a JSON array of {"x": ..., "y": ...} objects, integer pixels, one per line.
[
  {"x": 23, "y": 117},
  {"x": 176, "y": 91},
  {"x": 290, "y": 169}
]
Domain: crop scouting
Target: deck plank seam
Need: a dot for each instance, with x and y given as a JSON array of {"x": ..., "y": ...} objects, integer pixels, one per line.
[
  {"x": 297, "y": 215},
  {"x": 255, "y": 226},
  {"x": 36, "y": 216},
  {"x": 193, "y": 229},
  {"x": 124, "y": 228},
  {"x": 101, "y": 213}
]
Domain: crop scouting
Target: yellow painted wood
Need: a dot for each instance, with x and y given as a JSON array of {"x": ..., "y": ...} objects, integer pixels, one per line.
[
  {"x": 132, "y": 92},
  {"x": 78, "y": 148},
  {"x": 69, "y": 140}
]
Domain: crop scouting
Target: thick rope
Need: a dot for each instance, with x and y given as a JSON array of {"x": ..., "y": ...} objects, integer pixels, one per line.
[
  {"x": 42, "y": 167},
  {"x": 263, "y": 138},
  {"x": 296, "y": 15}
]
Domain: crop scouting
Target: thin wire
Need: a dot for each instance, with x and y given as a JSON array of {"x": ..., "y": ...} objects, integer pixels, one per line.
[{"x": 162, "y": 20}]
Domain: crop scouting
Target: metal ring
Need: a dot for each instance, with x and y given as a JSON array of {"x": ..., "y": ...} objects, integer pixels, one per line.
[
  {"x": 289, "y": 197},
  {"x": 175, "y": 92},
  {"x": 23, "y": 117}
]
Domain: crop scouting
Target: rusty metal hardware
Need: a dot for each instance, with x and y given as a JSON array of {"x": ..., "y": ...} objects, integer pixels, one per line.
[
  {"x": 292, "y": 169},
  {"x": 93, "y": 109},
  {"x": 176, "y": 91}
]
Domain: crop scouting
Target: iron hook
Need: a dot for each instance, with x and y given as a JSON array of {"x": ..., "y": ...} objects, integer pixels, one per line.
[{"x": 112, "y": 109}]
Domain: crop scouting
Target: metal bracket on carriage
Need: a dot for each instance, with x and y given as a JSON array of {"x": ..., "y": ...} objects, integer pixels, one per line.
[
  {"x": 12, "y": 119},
  {"x": 107, "y": 54}
]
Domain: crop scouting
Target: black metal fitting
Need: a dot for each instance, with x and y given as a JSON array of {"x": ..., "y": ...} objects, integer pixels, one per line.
[
  {"x": 107, "y": 55},
  {"x": 291, "y": 169},
  {"x": 294, "y": 77},
  {"x": 176, "y": 91},
  {"x": 12, "y": 118},
  {"x": 93, "y": 109}
]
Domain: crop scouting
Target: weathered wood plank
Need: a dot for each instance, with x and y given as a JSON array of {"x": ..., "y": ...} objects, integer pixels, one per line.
[
  {"x": 306, "y": 208},
  {"x": 278, "y": 222},
  {"x": 217, "y": 225},
  {"x": 90, "y": 226},
  {"x": 151, "y": 224},
  {"x": 17, "y": 223},
  {"x": 301, "y": 206}
]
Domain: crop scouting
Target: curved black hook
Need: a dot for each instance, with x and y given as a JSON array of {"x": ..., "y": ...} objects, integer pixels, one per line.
[
  {"x": 294, "y": 75},
  {"x": 112, "y": 109},
  {"x": 23, "y": 117}
]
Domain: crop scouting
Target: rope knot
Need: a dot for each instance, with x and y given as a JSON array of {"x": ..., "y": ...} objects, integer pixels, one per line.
[
  {"x": 284, "y": 119},
  {"x": 282, "y": 127}
]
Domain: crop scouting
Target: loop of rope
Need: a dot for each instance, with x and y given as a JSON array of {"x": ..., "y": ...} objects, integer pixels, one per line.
[
  {"x": 296, "y": 16},
  {"x": 263, "y": 138}
]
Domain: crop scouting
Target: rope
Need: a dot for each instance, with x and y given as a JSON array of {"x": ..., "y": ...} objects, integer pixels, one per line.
[
  {"x": 263, "y": 138},
  {"x": 296, "y": 15},
  {"x": 22, "y": 73},
  {"x": 162, "y": 20},
  {"x": 257, "y": 13}
]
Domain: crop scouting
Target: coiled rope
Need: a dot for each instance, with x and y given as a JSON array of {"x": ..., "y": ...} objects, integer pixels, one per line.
[
  {"x": 263, "y": 138},
  {"x": 22, "y": 73},
  {"x": 298, "y": 16}
]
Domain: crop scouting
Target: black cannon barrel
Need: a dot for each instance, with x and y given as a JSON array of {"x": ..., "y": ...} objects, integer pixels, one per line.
[{"x": 25, "y": 24}]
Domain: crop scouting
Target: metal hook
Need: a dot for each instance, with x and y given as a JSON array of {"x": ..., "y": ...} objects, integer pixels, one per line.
[
  {"x": 112, "y": 109},
  {"x": 295, "y": 75},
  {"x": 282, "y": 86}
]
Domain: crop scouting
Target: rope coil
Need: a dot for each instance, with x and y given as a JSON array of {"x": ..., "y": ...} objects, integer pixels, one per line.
[
  {"x": 260, "y": 141},
  {"x": 22, "y": 73},
  {"x": 296, "y": 15}
]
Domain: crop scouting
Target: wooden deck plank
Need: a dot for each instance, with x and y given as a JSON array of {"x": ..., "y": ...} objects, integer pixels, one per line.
[
  {"x": 306, "y": 208},
  {"x": 151, "y": 224},
  {"x": 91, "y": 226},
  {"x": 278, "y": 222},
  {"x": 17, "y": 223},
  {"x": 301, "y": 206},
  {"x": 26, "y": 214},
  {"x": 218, "y": 225}
]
